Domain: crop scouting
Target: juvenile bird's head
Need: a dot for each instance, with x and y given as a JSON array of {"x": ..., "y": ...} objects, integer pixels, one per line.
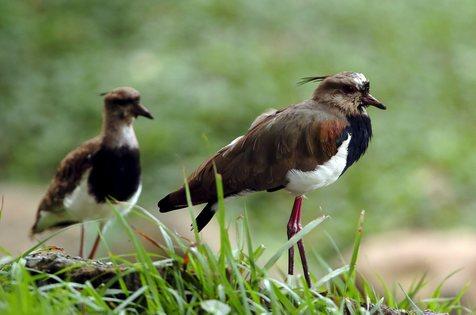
[
  {"x": 123, "y": 104},
  {"x": 349, "y": 91}
]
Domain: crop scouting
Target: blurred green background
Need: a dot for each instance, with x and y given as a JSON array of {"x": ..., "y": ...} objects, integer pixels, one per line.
[{"x": 207, "y": 68}]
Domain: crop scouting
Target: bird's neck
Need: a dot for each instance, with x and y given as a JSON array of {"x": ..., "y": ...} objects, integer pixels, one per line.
[{"x": 118, "y": 133}]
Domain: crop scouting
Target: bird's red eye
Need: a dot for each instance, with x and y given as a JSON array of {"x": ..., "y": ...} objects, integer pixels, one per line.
[{"x": 349, "y": 88}]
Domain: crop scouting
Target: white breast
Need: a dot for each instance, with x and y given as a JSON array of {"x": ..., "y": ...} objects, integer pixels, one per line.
[
  {"x": 126, "y": 137},
  {"x": 300, "y": 182}
]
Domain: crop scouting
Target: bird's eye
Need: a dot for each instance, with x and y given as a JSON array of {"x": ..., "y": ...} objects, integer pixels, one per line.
[
  {"x": 349, "y": 89},
  {"x": 366, "y": 86},
  {"x": 126, "y": 101},
  {"x": 120, "y": 102}
]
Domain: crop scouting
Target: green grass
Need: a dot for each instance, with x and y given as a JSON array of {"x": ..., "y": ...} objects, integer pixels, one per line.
[{"x": 199, "y": 280}]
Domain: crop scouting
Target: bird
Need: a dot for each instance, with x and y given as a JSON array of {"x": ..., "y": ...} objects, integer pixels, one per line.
[
  {"x": 103, "y": 170},
  {"x": 300, "y": 148}
]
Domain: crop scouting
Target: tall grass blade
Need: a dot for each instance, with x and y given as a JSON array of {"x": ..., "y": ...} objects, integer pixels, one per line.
[
  {"x": 350, "y": 283},
  {"x": 127, "y": 302},
  {"x": 225, "y": 248},
  {"x": 249, "y": 245},
  {"x": 333, "y": 274},
  {"x": 293, "y": 240},
  {"x": 356, "y": 247},
  {"x": 412, "y": 303},
  {"x": 188, "y": 196},
  {"x": 150, "y": 271}
]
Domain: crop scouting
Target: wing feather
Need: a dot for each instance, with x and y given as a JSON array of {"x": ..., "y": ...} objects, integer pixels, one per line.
[
  {"x": 298, "y": 137},
  {"x": 67, "y": 177}
]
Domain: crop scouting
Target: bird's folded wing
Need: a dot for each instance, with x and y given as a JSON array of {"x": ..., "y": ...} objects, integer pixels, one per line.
[
  {"x": 68, "y": 175},
  {"x": 297, "y": 137}
]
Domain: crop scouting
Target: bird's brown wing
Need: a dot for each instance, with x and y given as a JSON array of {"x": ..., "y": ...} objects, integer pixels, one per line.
[
  {"x": 298, "y": 137},
  {"x": 67, "y": 177}
]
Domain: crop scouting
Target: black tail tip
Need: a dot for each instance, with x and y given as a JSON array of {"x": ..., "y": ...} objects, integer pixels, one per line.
[
  {"x": 166, "y": 205},
  {"x": 162, "y": 204}
]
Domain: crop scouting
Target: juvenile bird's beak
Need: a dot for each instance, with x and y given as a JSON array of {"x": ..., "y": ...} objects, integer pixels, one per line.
[
  {"x": 368, "y": 99},
  {"x": 141, "y": 110}
]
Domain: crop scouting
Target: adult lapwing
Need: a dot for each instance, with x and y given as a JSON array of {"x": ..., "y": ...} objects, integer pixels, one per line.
[
  {"x": 300, "y": 148},
  {"x": 101, "y": 171}
]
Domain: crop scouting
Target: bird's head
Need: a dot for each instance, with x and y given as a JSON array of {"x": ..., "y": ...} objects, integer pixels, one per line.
[
  {"x": 123, "y": 104},
  {"x": 349, "y": 91}
]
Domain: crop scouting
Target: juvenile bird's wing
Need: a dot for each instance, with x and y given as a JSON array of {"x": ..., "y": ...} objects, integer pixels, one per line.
[
  {"x": 67, "y": 177},
  {"x": 298, "y": 137}
]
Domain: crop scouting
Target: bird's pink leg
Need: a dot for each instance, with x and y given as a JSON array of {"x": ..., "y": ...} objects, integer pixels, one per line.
[
  {"x": 294, "y": 226},
  {"x": 92, "y": 253},
  {"x": 95, "y": 247},
  {"x": 293, "y": 229},
  {"x": 305, "y": 267},
  {"x": 81, "y": 241}
]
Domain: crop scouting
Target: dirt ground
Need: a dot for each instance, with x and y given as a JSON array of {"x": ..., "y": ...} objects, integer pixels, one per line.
[{"x": 403, "y": 257}]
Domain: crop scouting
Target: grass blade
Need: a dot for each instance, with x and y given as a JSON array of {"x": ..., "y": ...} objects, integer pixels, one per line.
[
  {"x": 356, "y": 247},
  {"x": 333, "y": 274},
  {"x": 412, "y": 303},
  {"x": 130, "y": 299},
  {"x": 188, "y": 196},
  {"x": 293, "y": 240}
]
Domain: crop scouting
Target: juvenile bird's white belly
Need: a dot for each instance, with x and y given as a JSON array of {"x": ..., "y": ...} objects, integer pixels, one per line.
[
  {"x": 300, "y": 182},
  {"x": 82, "y": 206}
]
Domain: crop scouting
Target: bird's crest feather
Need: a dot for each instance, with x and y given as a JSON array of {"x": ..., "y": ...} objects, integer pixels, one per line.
[{"x": 312, "y": 79}]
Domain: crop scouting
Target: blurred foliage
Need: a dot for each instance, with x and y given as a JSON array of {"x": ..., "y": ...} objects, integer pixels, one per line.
[{"x": 207, "y": 68}]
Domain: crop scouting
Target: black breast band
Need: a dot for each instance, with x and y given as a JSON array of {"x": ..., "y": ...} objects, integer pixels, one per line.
[
  {"x": 361, "y": 131},
  {"x": 115, "y": 173}
]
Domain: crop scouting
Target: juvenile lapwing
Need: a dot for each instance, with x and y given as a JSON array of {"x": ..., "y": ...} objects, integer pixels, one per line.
[
  {"x": 101, "y": 171},
  {"x": 300, "y": 148}
]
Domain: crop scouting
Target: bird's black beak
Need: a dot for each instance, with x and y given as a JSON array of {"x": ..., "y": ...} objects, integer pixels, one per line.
[
  {"x": 141, "y": 110},
  {"x": 369, "y": 100}
]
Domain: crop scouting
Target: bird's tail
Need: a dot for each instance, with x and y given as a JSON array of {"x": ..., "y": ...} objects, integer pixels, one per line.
[
  {"x": 173, "y": 201},
  {"x": 50, "y": 220},
  {"x": 205, "y": 215},
  {"x": 178, "y": 200}
]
